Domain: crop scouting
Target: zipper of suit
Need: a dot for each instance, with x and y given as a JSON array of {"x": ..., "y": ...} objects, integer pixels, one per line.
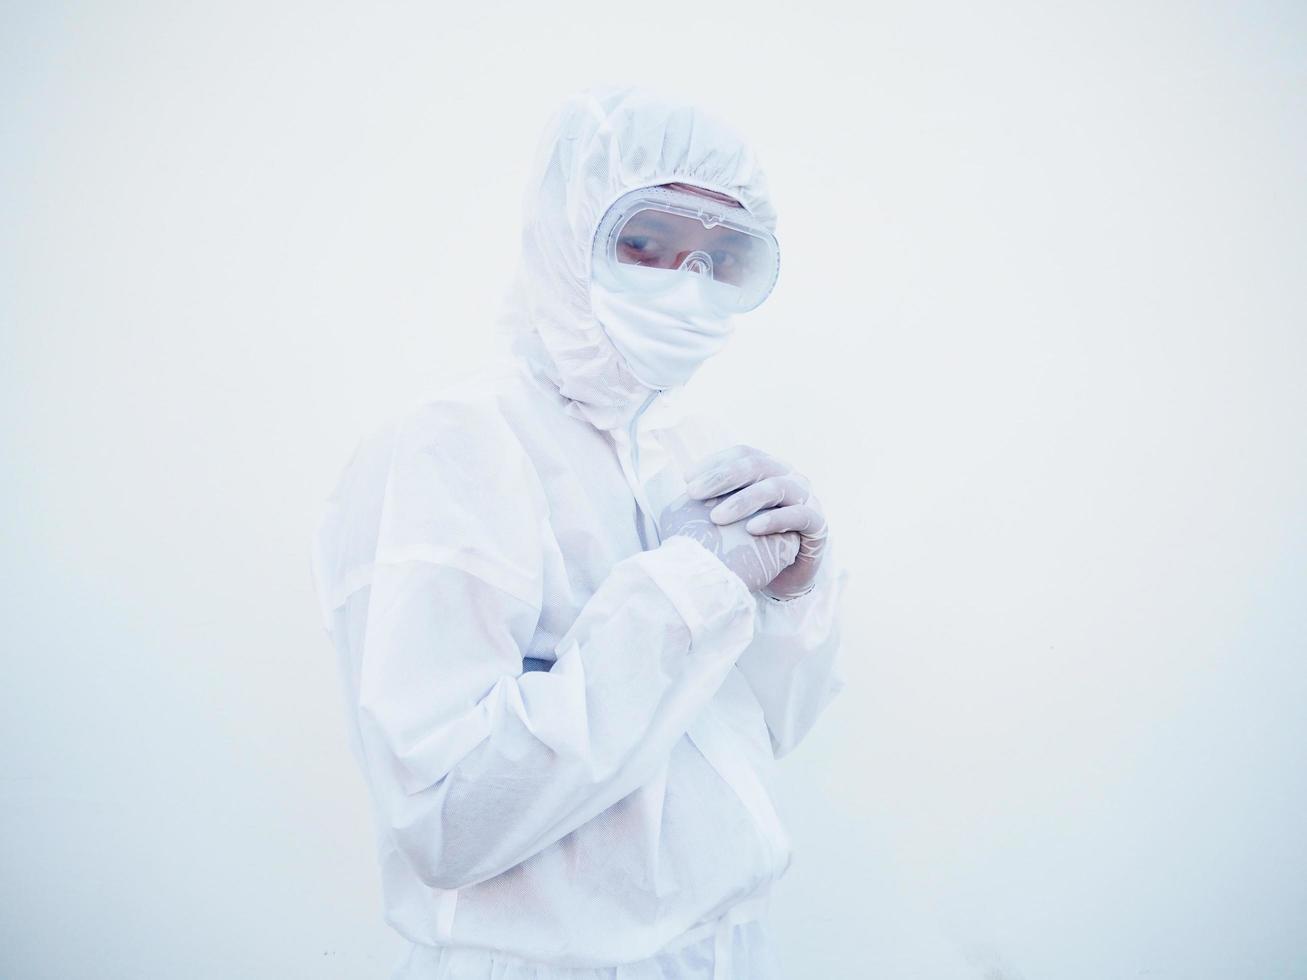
[{"x": 633, "y": 437}]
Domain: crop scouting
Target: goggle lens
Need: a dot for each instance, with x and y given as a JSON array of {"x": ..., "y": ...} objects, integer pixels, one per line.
[{"x": 661, "y": 228}]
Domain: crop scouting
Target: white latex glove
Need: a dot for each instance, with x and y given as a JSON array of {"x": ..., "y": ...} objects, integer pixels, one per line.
[
  {"x": 754, "y": 483},
  {"x": 756, "y": 559}
]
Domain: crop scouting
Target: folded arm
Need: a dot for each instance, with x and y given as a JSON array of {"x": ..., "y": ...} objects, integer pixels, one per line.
[
  {"x": 475, "y": 765},
  {"x": 792, "y": 664}
]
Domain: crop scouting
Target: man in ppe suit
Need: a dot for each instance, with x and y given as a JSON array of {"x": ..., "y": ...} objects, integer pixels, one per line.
[{"x": 575, "y": 628}]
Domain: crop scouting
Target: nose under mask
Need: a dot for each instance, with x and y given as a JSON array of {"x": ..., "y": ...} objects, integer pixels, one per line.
[{"x": 666, "y": 333}]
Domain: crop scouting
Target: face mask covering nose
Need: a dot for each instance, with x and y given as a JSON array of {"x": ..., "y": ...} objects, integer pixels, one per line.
[{"x": 664, "y": 334}]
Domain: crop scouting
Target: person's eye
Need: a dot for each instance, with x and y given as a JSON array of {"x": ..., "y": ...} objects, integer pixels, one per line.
[
  {"x": 639, "y": 249},
  {"x": 724, "y": 260}
]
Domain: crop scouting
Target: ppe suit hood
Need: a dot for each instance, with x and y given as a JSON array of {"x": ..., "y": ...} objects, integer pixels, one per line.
[{"x": 601, "y": 144}]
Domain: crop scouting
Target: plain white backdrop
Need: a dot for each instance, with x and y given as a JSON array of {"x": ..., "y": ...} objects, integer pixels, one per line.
[{"x": 1039, "y": 343}]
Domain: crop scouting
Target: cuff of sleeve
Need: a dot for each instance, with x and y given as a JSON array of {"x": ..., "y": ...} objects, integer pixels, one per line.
[
  {"x": 788, "y": 598},
  {"x": 708, "y": 595}
]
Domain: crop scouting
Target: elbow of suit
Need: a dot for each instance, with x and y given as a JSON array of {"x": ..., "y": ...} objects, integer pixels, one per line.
[
  {"x": 453, "y": 839},
  {"x": 789, "y": 731},
  {"x": 426, "y": 850},
  {"x": 445, "y": 879},
  {"x": 437, "y": 877},
  {"x": 786, "y": 740},
  {"x": 780, "y": 749}
]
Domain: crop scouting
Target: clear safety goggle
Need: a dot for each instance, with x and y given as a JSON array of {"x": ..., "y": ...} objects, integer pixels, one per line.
[{"x": 663, "y": 228}]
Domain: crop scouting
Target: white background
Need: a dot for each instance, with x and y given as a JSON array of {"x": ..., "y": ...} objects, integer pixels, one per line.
[{"x": 1039, "y": 343}]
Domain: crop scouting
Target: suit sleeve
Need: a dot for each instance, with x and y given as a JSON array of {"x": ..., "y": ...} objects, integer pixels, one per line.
[
  {"x": 473, "y": 764},
  {"x": 792, "y": 664}
]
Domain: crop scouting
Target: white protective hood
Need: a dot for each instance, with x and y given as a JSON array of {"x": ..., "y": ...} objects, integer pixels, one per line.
[{"x": 601, "y": 144}]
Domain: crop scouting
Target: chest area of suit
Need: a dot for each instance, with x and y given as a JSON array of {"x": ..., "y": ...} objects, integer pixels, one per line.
[{"x": 604, "y": 497}]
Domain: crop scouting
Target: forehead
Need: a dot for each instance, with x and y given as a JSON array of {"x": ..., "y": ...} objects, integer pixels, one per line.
[
  {"x": 704, "y": 192},
  {"x": 674, "y": 230}
]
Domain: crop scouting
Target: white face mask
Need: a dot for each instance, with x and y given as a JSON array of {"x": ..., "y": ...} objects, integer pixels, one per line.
[{"x": 664, "y": 336}]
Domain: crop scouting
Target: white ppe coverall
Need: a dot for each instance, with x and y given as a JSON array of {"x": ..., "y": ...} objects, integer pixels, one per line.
[{"x": 566, "y": 725}]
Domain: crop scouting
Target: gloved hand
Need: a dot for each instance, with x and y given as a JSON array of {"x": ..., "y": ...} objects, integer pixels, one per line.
[
  {"x": 750, "y": 482},
  {"x": 756, "y": 559}
]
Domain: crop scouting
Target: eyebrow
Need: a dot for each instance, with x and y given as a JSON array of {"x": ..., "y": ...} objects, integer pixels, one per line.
[{"x": 648, "y": 220}]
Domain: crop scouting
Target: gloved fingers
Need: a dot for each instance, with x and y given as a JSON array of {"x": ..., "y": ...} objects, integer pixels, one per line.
[
  {"x": 730, "y": 469},
  {"x": 804, "y": 518},
  {"x": 772, "y": 491},
  {"x": 782, "y": 550},
  {"x": 756, "y": 559},
  {"x": 788, "y": 545}
]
